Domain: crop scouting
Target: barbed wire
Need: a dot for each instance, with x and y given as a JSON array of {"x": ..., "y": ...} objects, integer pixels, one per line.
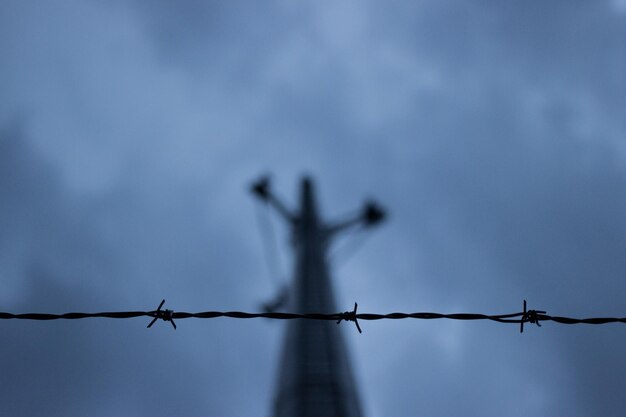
[{"x": 525, "y": 316}]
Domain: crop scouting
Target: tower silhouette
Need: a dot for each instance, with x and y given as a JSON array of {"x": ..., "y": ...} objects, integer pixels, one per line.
[{"x": 315, "y": 377}]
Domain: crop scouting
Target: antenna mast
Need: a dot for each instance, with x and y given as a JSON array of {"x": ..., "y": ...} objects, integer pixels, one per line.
[{"x": 315, "y": 377}]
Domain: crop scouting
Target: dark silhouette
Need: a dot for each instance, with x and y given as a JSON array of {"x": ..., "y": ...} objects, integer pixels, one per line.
[{"x": 315, "y": 378}]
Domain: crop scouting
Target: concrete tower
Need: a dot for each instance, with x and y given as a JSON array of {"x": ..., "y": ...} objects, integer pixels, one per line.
[{"x": 314, "y": 379}]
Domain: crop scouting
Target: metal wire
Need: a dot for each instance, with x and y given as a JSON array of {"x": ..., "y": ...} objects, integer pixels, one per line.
[{"x": 525, "y": 316}]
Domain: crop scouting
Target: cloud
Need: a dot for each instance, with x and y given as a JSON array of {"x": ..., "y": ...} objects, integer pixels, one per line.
[{"x": 493, "y": 133}]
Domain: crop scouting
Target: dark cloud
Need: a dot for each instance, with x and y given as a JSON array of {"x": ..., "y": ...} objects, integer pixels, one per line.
[
  {"x": 63, "y": 253},
  {"x": 491, "y": 131}
]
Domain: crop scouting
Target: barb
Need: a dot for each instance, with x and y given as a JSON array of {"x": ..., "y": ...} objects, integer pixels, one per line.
[
  {"x": 350, "y": 316},
  {"x": 530, "y": 316},
  {"x": 165, "y": 315},
  {"x": 526, "y": 316}
]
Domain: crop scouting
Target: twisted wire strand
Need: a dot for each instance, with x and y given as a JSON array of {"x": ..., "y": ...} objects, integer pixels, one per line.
[{"x": 530, "y": 316}]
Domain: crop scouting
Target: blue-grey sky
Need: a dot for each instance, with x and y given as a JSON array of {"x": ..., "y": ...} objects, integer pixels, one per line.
[{"x": 493, "y": 131}]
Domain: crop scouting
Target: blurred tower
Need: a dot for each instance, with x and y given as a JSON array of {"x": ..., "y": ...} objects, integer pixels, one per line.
[{"x": 314, "y": 379}]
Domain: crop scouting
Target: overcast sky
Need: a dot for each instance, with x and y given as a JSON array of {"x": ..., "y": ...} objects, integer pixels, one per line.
[{"x": 492, "y": 131}]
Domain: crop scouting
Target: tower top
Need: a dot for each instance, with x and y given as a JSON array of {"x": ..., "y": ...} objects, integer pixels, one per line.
[{"x": 308, "y": 208}]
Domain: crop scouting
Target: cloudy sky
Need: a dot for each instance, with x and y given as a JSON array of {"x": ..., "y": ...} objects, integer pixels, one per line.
[{"x": 493, "y": 132}]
